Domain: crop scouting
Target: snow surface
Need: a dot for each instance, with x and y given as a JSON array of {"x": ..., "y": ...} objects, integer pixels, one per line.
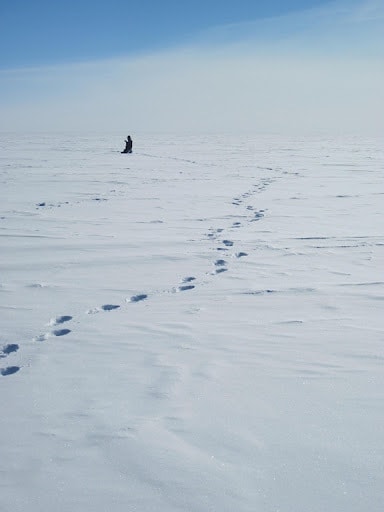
[{"x": 194, "y": 327}]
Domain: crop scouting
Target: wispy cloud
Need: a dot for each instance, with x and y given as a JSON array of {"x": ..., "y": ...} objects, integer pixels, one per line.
[
  {"x": 315, "y": 71},
  {"x": 342, "y": 26}
]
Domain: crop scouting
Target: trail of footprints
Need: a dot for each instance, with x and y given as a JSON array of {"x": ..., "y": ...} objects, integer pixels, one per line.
[
  {"x": 48, "y": 206},
  {"x": 188, "y": 283}
]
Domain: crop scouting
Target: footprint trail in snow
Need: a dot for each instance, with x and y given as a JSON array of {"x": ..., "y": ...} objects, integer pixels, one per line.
[{"x": 186, "y": 285}]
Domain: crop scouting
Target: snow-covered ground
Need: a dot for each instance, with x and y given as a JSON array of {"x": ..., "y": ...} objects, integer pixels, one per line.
[{"x": 195, "y": 327}]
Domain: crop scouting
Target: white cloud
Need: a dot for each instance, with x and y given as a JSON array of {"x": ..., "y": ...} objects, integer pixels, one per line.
[{"x": 267, "y": 84}]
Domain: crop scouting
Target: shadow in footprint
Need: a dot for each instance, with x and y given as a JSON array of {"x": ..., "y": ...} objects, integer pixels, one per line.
[
  {"x": 188, "y": 279},
  {"x": 220, "y": 263},
  {"x": 228, "y": 243},
  {"x": 62, "y": 319},
  {"x": 220, "y": 270},
  {"x": 138, "y": 298},
  {"x": 241, "y": 254},
  {"x": 109, "y": 307},
  {"x": 9, "y": 370},
  {"x": 61, "y": 332},
  {"x": 8, "y": 349},
  {"x": 186, "y": 287},
  {"x": 258, "y": 215}
]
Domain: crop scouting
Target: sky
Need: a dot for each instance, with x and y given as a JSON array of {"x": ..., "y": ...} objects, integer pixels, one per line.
[{"x": 289, "y": 67}]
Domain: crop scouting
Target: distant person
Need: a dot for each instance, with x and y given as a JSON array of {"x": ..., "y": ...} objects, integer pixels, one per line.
[{"x": 128, "y": 145}]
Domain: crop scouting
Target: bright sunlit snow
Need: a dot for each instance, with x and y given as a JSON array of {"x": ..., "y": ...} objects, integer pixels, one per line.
[{"x": 194, "y": 327}]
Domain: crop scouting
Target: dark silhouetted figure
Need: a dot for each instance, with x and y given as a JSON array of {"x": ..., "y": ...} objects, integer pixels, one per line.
[{"x": 128, "y": 145}]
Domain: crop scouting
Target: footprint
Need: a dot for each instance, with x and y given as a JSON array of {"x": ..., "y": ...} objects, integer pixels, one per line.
[
  {"x": 236, "y": 224},
  {"x": 220, "y": 263},
  {"x": 186, "y": 287},
  {"x": 221, "y": 249},
  {"x": 60, "y": 320},
  {"x": 61, "y": 332},
  {"x": 220, "y": 270},
  {"x": 9, "y": 370},
  {"x": 188, "y": 279},
  {"x": 109, "y": 307},
  {"x": 41, "y": 337},
  {"x": 137, "y": 298},
  {"x": 8, "y": 349},
  {"x": 228, "y": 243},
  {"x": 241, "y": 254},
  {"x": 259, "y": 292},
  {"x": 258, "y": 215}
]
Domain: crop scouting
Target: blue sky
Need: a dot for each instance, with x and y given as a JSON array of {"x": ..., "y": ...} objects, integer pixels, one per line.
[
  {"x": 206, "y": 66},
  {"x": 37, "y": 32}
]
